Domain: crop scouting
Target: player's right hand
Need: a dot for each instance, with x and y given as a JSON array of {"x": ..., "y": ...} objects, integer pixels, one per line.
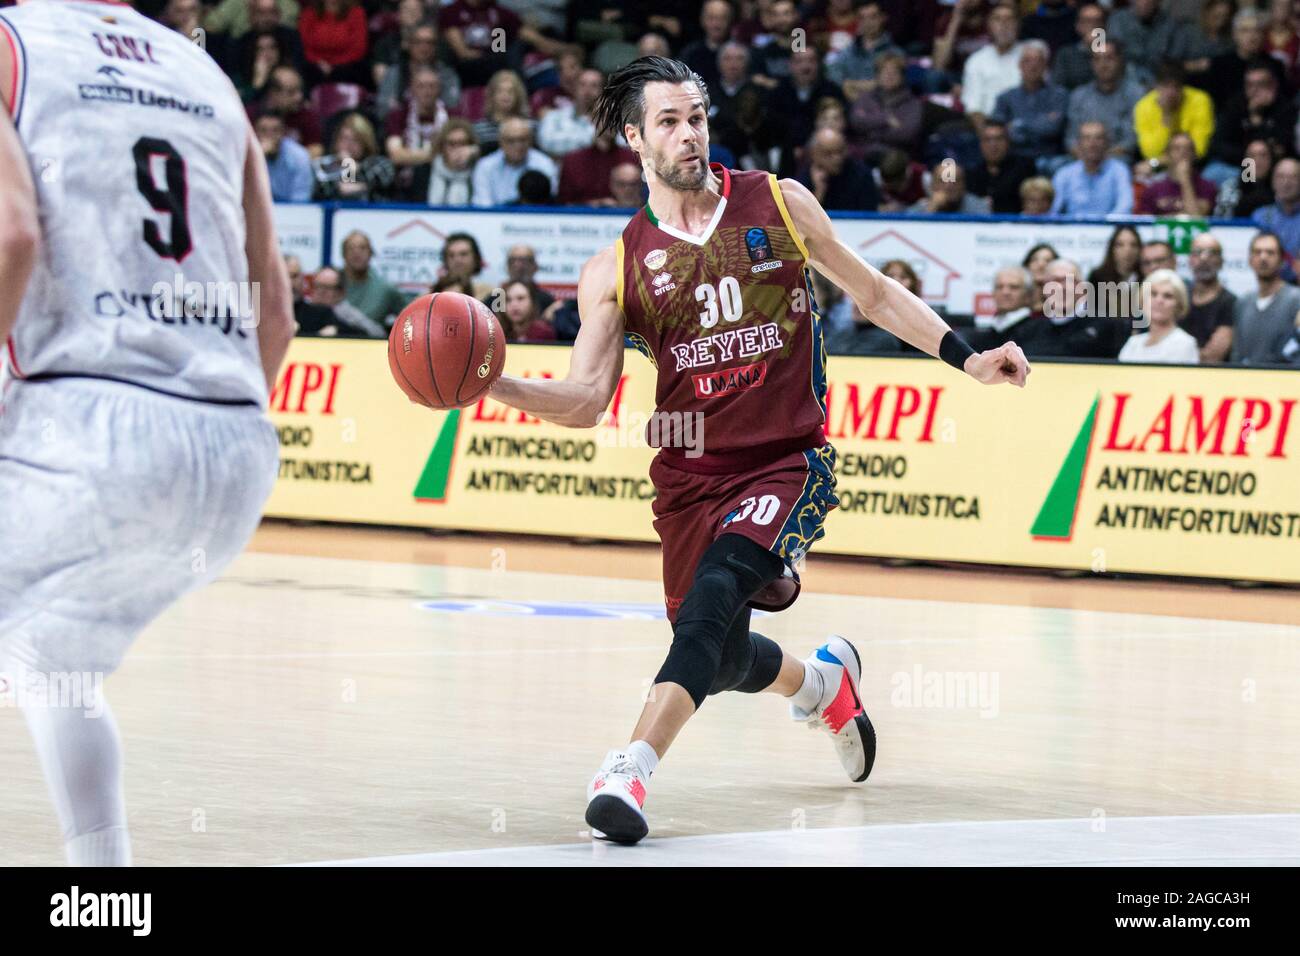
[{"x": 1006, "y": 363}]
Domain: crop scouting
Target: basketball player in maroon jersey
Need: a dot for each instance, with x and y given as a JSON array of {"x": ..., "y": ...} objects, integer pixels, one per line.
[{"x": 709, "y": 280}]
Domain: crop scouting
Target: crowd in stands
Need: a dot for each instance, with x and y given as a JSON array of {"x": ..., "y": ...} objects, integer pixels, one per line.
[{"x": 949, "y": 107}]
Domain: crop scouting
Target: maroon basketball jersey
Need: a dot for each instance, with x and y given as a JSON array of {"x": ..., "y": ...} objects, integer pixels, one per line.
[{"x": 729, "y": 320}]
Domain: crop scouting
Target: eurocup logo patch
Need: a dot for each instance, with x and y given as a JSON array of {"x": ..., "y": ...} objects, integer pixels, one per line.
[
  {"x": 757, "y": 244},
  {"x": 655, "y": 259}
]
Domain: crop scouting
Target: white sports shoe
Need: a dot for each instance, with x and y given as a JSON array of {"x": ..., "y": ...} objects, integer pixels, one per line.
[
  {"x": 840, "y": 710},
  {"x": 615, "y": 797}
]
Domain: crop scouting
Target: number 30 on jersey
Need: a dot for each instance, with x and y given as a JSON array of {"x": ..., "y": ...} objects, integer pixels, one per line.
[
  {"x": 726, "y": 295},
  {"x": 759, "y": 510}
]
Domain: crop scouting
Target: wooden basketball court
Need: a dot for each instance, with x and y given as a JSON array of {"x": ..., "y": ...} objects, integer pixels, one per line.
[{"x": 346, "y": 695}]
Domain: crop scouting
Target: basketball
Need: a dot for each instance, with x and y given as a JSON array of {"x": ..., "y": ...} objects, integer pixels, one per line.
[{"x": 446, "y": 350}]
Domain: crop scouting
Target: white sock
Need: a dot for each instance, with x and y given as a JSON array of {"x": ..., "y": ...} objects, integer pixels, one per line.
[
  {"x": 111, "y": 847},
  {"x": 810, "y": 692},
  {"x": 644, "y": 755},
  {"x": 81, "y": 754}
]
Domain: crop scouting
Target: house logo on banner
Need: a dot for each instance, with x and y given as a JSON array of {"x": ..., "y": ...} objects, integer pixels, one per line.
[
  {"x": 936, "y": 275},
  {"x": 410, "y": 255},
  {"x": 408, "y": 247}
]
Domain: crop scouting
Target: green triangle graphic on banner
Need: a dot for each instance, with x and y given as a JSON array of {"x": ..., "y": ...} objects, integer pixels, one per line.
[
  {"x": 432, "y": 485},
  {"x": 1056, "y": 517}
]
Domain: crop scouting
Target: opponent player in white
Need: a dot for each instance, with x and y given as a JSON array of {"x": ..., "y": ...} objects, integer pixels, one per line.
[{"x": 135, "y": 453}]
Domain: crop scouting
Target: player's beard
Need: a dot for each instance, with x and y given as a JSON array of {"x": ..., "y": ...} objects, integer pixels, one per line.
[{"x": 674, "y": 176}]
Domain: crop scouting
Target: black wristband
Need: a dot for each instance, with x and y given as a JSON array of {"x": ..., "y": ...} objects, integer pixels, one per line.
[{"x": 954, "y": 350}]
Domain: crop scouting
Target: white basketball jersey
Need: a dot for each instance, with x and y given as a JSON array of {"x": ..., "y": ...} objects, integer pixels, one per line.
[{"x": 137, "y": 142}]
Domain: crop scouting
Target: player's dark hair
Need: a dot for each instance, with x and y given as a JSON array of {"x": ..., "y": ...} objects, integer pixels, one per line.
[{"x": 622, "y": 102}]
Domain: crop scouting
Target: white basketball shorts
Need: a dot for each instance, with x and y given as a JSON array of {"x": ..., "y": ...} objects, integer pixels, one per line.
[{"x": 114, "y": 502}]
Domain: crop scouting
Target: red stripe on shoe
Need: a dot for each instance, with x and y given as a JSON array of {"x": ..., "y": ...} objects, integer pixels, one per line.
[{"x": 844, "y": 707}]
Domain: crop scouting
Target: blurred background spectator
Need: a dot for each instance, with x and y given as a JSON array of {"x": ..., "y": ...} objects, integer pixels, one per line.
[
  {"x": 505, "y": 99},
  {"x": 1034, "y": 110},
  {"x": 287, "y": 162},
  {"x": 947, "y": 193},
  {"x": 568, "y": 127},
  {"x": 365, "y": 288},
  {"x": 1012, "y": 296},
  {"x": 334, "y": 41},
  {"x": 1172, "y": 107},
  {"x": 585, "y": 173},
  {"x": 496, "y": 176},
  {"x": 1096, "y": 184},
  {"x": 411, "y": 131},
  {"x": 520, "y": 315},
  {"x": 354, "y": 168},
  {"x": 1035, "y": 262},
  {"x": 311, "y": 318},
  {"x": 1164, "y": 298},
  {"x": 887, "y": 115},
  {"x": 1000, "y": 172},
  {"x": 1210, "y": 312},
  {"x": 1263, "y": 323},
  {"x": 1037, "y": 196},
  {"x": 451, "y": 174},
  {"x": 837, "y": 181},
  {"x": 1108, "y": 97},
  {"x": 462, "y": 260},
  {"x": 1182, "y": 190},
  {"x": 348, "y": 320}
]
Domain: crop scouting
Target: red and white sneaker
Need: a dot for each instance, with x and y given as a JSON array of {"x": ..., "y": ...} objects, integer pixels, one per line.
[
  {"x": 615, "y": 797},
  {"x": 840, "y": 710}
]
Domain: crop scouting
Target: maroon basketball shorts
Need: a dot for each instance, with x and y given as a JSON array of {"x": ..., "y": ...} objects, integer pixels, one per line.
[{"x": 782, "y": 506}]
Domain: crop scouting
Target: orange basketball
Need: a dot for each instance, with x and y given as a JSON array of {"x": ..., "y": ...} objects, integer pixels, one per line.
[{"x": 446, "y": 350}]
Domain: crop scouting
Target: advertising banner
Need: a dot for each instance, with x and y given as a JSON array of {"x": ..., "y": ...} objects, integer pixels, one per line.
[
  {"x": 301, "y": 231},
  {"x": 954, "y": 259},
  {"x": 408, "y": 243},
  {"x": 1103, "y": 468}
]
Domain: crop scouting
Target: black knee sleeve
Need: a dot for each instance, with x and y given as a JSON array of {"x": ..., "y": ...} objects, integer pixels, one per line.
[
  {"x": 731, "y": 571},
  {"x": 737, "y": 655},
  {"x": 767, "y": 656},
  {"x": 750, "y": 662}
]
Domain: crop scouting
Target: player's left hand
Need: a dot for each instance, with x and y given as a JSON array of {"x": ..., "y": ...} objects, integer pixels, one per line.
[{"x": 1006, "y": 363}]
